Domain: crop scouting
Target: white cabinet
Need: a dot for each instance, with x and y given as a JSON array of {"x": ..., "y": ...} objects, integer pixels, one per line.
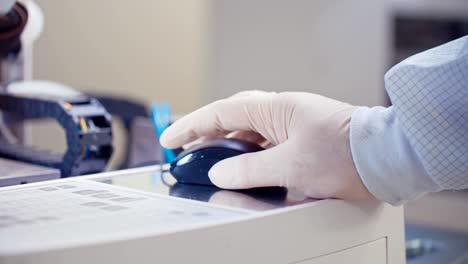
[{"x": 369, "y": 253}]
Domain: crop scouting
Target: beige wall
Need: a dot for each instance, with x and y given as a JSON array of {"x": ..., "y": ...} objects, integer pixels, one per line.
[
  {"x": 147, "y": 49},
  {"x": 337, "y": 48}
]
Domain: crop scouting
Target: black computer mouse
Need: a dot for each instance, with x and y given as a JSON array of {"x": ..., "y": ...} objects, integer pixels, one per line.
[{"x": 192, "y": 165}]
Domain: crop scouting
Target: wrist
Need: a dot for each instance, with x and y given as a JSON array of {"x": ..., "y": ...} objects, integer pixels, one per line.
[{"x": 356, "y": 189}]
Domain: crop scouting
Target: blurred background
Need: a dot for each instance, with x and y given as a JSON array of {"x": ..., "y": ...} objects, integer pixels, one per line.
[{"x": 192, "y": 52}]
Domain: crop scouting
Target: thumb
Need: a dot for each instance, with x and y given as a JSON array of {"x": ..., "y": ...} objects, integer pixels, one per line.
[{"x": 258, "y": 169}]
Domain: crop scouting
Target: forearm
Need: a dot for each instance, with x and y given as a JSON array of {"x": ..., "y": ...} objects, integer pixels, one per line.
[{"x": 420, "y": 144}]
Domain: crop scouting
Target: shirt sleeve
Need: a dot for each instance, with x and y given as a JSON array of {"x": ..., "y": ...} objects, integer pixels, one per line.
[{"x": 420, "y": 143}]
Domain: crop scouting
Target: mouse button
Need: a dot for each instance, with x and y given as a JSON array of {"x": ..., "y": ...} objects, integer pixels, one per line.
[
  {"x": 225, "y": 143},
  {"x": 207, "y": 153},
  {"x": 202, "y": 145},
  {"x": 241, "y": 145},
  {"x": 183, "y": 158},
  {"x": 216, "y": 153}
]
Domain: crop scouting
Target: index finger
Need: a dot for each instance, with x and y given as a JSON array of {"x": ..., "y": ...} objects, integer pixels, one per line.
[{"x": 215, "y": 119}]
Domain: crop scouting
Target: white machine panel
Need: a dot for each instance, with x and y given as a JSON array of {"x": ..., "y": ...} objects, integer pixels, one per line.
[
  {"x": 77, "y": 212},
  {"x": 144, "y": 215}
]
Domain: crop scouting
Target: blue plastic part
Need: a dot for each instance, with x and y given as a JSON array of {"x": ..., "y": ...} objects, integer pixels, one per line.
[{"x": 161, "y": 119}]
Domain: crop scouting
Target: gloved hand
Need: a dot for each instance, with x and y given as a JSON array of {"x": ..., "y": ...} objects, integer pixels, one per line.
[{"x": 309, "y": 135}]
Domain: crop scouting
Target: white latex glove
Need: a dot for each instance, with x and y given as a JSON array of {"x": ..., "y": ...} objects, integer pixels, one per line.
[{"x": 309, "y": 134}]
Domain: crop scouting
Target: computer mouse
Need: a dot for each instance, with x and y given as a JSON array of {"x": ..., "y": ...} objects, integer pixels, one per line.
[{"x": 192, "y": 165}]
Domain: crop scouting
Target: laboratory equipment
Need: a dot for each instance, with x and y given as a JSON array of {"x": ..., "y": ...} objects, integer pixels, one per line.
[
  {"x": 85, "y": 121},
  {"x": 20, "y": 26},
  {"x": 130, "y": 112},
  {"x": 135, "y": 216},
  {"x": 14, "y": 172}
]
